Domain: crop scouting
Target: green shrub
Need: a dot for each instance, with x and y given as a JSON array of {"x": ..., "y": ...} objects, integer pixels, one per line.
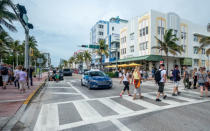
[{"x": 111, "y": 74}]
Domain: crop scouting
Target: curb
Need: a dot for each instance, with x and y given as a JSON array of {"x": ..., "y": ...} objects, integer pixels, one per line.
[{"x": 13, "y": 120}]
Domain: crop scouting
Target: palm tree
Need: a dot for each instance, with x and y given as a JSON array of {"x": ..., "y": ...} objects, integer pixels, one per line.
[
  {"x": 15, "y": 48},
  {"x": 87, "y": 57},
  {"x": 205, "y": 41},
  {"x": 103, "y": 50},
  {"x": 6, "y": 16},
  {"x": 65, "y": 62},
  {"x": 5, "y": 39},
  {"x": 169, "y": 45},
  {"x": 71, "y": 61}
]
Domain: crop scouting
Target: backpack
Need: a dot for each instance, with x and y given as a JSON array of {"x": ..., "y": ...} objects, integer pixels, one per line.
[
  {"x": 158, "y": 76},
  {"x": 4, "y": 71}
]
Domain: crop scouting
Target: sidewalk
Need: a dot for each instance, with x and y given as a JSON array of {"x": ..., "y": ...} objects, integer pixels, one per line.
[{"x": 11, "y": 100}]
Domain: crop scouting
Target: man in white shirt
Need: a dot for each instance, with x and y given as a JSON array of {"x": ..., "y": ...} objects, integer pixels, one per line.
[{"x": 161, "y": 83}]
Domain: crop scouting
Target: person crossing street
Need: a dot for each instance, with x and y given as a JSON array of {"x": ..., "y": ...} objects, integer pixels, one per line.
[
  {"x": 160, "y": 77},
  {"x": 176, "y": 79},
  {"x": 126, "y": 81}
]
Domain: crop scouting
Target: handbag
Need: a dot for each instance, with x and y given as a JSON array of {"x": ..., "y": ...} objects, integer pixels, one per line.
[
  {"x": 139, "y": 83},
  {"x": 205, "y": 83}
]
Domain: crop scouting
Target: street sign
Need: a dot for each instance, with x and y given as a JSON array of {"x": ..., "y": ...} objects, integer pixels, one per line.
[
  {"x": 161, "y": 62},
  {"x": 40, "y": 60}
]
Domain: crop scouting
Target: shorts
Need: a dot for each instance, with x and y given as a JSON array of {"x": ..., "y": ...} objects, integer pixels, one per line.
[
  {"x": 137, "y": 90},
  {"x": 161, "y": 87},
  {"x": 5, "y": 78},
  {"x": 176, "y": 83},
  {"x": 201, "y": 84},
  {"x": 22, "y": 84},
  {"x": 126, "y": 83},
  {"x": 136, "y": 81}
]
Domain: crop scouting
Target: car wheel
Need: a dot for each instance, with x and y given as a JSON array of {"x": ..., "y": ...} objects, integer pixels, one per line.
[{"x": 89, "y": 87}]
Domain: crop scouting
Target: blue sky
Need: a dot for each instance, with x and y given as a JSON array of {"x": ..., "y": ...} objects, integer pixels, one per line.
[{"x": 61, "y": 25}]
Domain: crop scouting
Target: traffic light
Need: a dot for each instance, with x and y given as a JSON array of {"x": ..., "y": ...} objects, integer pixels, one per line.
[
  {"x": 22, "y": 13},
  {"x": 30, "y": 26},
  {"x": 86, "y": 46}
]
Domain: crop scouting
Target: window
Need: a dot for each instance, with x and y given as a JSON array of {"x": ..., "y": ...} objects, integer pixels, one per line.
[
  {"x": 195, "y": 38},
  {"x": 143, "y": 46},
  {"x": 160, "y": 30},
  {"x": 101, "y": 26},
  {"x": 203, "y": 62},
  {"x": 184, "y": 47},
  {"x": 132, "y": 36},
  {"x": 195, "y": 50},
  {"x": 101, "y": 33},
  {"x": 146, "y": 30},
  {"x": 123, "y": 39},
  {"x": 203, "y": 51},
  {"x": 131, "y": 48},
  {"x": 183, "y": 35},
  {"x": 140, "y": 32},
  {"x": 146, "y": 45},
  {"x": 143, "y": 31},
  {"x": 195, "y": 62},
  {"x": 112, "y": 28}
]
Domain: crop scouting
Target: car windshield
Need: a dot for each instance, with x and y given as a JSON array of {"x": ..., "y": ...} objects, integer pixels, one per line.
[
  {"x": 66, "y": 69},
  {"x": 96, "y": 73}
]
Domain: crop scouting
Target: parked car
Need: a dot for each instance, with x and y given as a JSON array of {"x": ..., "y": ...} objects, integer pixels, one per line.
[
  {"x": 67, "y": 72},
  {"x": 94, "y": 79},
  {"x": 60, "y": 75}
]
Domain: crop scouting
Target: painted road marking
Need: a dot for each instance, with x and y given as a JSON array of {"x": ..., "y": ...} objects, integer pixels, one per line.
[
  {"x": 77, "y": 90},
  {"x": 86, "y": 111},
  {"x": 120, "y": 109},
  {"x": 121, "y": 126}
]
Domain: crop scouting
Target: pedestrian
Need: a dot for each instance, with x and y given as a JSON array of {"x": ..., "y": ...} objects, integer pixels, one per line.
[
  {"x": 202, "y": 81},
  {"x": 10, "y": 74},
  {"x": 126, "y": 81},
  {"x": 160, "y": 77},
  {"x": 136, "y": 80},
  {"x": 176, "y": 78},
  {"x": 1, "y": 82},
  {"x": 22, "y": 79},
  {"x": 16, "y": 80},
  {"x": 186, "y": 78},
  {"x": 5, "y": 75},
  {"x": 30, "y": 75},
  {"x": 195, "y": 78},
  {"x": 120, "y": 73},
  {"x": 57, "y": 75}
]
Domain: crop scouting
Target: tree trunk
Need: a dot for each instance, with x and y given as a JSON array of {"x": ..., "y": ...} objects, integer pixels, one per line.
[{"x": 101, "y": 62}]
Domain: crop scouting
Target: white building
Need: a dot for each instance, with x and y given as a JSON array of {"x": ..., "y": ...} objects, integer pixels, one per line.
[
  {"x": 110, "y": 32},
  {"x": 138, "y": 37}
]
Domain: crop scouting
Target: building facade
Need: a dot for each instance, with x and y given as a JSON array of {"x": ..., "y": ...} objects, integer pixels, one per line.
[
  {"x": 138, "y": 37},
  {"x": 110, "y": 32}
]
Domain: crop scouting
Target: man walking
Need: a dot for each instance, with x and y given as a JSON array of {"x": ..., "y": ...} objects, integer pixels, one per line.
[
  {"x": 160, "y": 77},
  {"x": 5, "y": 75},
  {"x": 186, "y": 78},
  {"x": 176, "y": 79}
]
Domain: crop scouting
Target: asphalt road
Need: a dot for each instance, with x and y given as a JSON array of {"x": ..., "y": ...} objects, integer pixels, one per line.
[{"x": 68, "y": 106}]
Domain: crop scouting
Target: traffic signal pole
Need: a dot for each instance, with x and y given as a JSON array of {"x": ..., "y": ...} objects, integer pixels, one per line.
[{"x": 26, "y": 29}]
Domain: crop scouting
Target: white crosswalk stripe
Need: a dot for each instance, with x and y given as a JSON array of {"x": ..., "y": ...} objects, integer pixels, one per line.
[
  {"x": 48, "y": 118},
  {"x": 120, "y": 109},
  {"x": 86, "y": 111}
]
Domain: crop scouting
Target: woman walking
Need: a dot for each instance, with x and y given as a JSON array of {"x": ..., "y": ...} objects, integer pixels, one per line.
[
  {"x": 126, "y": 81},
  {"x": 202, "y": 80},
  {"x": 195, "y": 78},
  {"x": 22, "y": 79},
  {"x": 136, "y": 80}
]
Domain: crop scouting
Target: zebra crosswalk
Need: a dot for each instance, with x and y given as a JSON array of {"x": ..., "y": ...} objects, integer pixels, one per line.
[{"x": 94, "y": 110}]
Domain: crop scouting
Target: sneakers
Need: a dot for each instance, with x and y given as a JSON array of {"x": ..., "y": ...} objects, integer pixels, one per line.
[
  {"x": 174, "y": 94},
  {"x": 158, "y": 100},
  {"x": 164, "y": 97}
]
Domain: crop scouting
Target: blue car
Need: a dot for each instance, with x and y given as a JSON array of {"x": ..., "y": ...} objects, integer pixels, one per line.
[{"x": 96, "y": 79}]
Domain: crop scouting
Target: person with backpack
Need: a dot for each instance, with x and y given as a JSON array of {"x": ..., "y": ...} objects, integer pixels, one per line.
[
  {"x": 186, "y": 78},
  {"x": 160, "y": 78},
  {"x": 5, "y": 75},
  {"x": 176, "y": 79},
  {"x": 126, "y": 81},
  {"x": 136, "y": 80}
]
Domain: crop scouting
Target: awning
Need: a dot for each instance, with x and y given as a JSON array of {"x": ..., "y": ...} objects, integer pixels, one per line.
[
  {"x": 147, "y": 58},
  {"x": 186, "y": 61},
  {"x": 111, "y": 66}
]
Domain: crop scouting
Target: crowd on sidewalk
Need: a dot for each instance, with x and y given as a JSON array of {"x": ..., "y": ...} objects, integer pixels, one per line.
[
  {"x": 20, "y": 76},
  {"x": 201, "y": 79}
]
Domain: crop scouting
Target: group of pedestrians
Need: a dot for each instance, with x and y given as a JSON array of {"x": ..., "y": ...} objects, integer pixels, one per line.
[
  {"x": 19, "y": 76},
  {"x": 201, "y": 77}
]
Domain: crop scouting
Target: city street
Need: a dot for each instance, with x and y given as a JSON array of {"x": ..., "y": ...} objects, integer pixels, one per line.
[{"x": 68, "y": 106}]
